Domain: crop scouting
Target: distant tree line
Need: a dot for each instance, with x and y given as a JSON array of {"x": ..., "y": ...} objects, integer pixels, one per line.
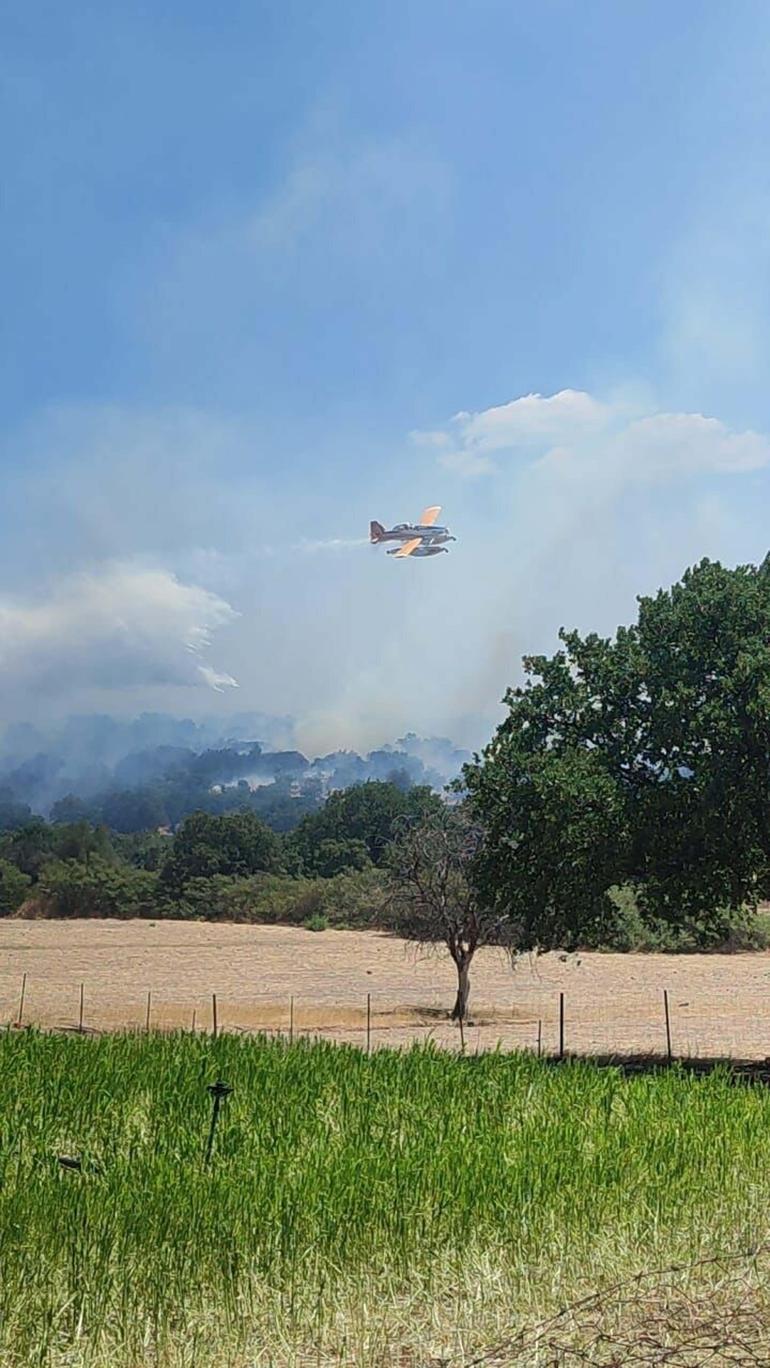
[
  {"x": 164, "y": 784},
  {"x": 231, "y": 865}
]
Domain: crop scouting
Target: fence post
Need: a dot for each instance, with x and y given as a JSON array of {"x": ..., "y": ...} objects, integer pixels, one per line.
[
  {"x": 80, "y": 1020},
  {"x": 368, "y": 1022},
  {"x": 539, "y": 1038},
  {"x": 291, "y": 1020},
  {"x": 192, "y": 1025},
  {"x": 149, "y": 1006},
  {"x": 214, "y": 1012},
  {"x": 21, "y": 1000},
  {"x": 561, "y": 1025},
  {"x": 668, "y": 1024}
]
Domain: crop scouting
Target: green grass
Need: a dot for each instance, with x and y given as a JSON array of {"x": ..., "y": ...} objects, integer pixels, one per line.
[{"x": 356, "y": 1209}]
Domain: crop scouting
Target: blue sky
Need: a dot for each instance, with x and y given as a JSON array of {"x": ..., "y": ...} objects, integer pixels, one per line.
[{"x": 253, "y": 254}]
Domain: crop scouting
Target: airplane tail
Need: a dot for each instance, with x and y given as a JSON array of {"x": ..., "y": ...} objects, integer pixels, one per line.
[{"x": 376, "y": 531}]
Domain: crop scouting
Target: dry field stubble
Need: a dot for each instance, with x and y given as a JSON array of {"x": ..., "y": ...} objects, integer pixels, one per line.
[{"x": 613, "y": 1003}]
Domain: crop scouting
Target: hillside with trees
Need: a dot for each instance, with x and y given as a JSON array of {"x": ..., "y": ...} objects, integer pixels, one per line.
[{"x": 133, "y": 777}]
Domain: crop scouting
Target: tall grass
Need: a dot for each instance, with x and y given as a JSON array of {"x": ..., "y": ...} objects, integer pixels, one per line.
[{"x": 354, "y": 1205}]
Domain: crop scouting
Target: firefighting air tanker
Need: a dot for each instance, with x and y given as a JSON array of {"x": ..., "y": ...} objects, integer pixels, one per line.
[{"x": 423, "y": 538}]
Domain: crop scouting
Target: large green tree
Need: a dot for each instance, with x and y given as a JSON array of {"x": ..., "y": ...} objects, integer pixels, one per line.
[
  {"x": 642, "y": 759},
  {"x": 354, "y": 824},
  {"x": 236, "y": 844},
  {"x": 81, "y": 841},
  {"x": 30, "y": 846}
]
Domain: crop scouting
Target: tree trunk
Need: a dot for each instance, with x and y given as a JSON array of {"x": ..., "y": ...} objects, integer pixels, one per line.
[{"x": 460, "y": 1009}]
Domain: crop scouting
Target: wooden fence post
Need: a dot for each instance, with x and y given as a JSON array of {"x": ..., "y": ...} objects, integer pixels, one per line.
[
  {"x": 20, "y": 1017},
  {"x": 561, "y": 1025},
  {"x": 668, "y": 1024},
  {"x": 80, "y": 1020},
  {"x": 214, "y": 1013}
]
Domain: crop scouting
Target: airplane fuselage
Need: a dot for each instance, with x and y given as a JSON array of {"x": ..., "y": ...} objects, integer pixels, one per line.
[
  {"x": 404, "y": 532},
  {"x": 424, "y": 538},
  {"x": 427, "y": 549}
]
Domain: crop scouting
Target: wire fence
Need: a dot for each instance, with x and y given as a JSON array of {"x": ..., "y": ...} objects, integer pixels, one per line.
[{"x": 372, "y": 1022}]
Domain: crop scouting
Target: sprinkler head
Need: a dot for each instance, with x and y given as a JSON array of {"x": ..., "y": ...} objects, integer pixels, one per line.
[{"x": 219, "y": 1089}]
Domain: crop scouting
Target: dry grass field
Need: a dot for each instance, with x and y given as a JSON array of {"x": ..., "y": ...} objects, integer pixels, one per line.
[{"x": 720, "y": 1004}]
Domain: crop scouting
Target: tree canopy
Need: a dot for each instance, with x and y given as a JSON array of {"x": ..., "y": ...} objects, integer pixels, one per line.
[
  {"x": 237, "y": 844},
  {"x": 355, "y": 824},
  {"x": 13, "y": 887},
  {"x": 642, "y": 759}
]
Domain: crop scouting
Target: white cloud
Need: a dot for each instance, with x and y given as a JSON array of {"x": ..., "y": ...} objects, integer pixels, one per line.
[
  {"x": 666, "y": 445},
  {"x": 571, "y": 433},
  {"x": 531, "y": 420},
  {"x": 120, "y": 626}
]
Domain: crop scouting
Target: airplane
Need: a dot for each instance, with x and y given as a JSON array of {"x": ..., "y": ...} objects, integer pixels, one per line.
[{"x": 424, "y": 538}]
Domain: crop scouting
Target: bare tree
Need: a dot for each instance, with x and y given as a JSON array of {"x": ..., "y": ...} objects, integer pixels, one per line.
[{"x": 433, "y": 899}]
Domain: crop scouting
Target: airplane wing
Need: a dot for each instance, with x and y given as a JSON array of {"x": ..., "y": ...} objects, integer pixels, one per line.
[
  {"x": 408, "y": 547},
  {"x": 429, "y": 515}
]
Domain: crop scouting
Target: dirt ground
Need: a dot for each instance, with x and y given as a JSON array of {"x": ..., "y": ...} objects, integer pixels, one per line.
[{"x": 719, "y": 1004}]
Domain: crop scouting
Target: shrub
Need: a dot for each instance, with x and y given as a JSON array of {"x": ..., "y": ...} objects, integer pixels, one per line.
[
  {"x": 67, "y": 888},
  {"x": 729, "y": 931},
  {"x": 316, "y": 923},
  {"x": 352, "y": 899},
  {"x": 355, "y": 898},
  {"x": 13, "y": 888}
]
